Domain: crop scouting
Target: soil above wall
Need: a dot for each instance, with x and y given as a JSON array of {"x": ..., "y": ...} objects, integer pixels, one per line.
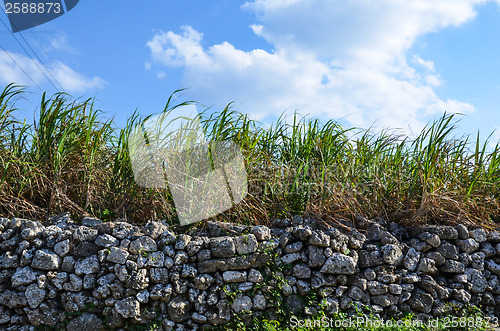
[{"x": 97, "y": 275}]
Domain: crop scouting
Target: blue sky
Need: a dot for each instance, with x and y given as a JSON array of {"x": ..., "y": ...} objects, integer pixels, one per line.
[{"x": 380, "y": 63}]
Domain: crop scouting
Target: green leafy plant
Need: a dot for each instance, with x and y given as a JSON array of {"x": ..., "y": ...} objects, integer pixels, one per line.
[
  {"x": 73, "y": 158},
  {"x": 106, "y": 215},
  {"x": 143, "y": 252}
]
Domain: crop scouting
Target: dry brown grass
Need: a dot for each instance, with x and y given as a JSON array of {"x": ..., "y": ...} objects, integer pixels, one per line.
[{"x": 71, "y": 159}]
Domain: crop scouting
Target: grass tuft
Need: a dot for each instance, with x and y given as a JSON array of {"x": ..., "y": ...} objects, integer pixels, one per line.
[{"x": 71, "y": 159}]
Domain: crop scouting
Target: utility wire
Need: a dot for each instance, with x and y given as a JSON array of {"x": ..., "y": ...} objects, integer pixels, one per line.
[
  {"x": 25, "y": 51},
  {"x": 8, "y": 54},
  {"x": 50, "y": 73},
  {"x": 44, "y": 53},
  {"x": 43, "y": 72},
  {"x": 46, "y": 56}
]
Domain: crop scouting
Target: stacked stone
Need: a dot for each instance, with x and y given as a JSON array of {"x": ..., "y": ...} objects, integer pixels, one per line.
[
  {"x": 126, "y": 274},
  {"x": 117, "y": 273},
  {"x": 427, "y": 270}
]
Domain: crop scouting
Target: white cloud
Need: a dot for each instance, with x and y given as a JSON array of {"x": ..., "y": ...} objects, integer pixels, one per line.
[
  {"x": 73, "y": 81},
  {"x": 433, "y": 80},
  {"x": 332, "y": 59},
  {"x": 429, "y": 65},
  {"x": 10, "y": 72},
  {"x": 372, "y": 32},
  {"x": 185, "y": 48},
  {"x": 257, "y": 29},
  {"x": 70, "y": 80},
  {"x": 60, "y": 42}
]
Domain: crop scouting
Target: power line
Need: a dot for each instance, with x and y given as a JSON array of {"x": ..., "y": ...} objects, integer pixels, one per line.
[
  {"x": 8, "y": 54},
  {"x": 50, "y": 73},
  {"x": 45, "y": 55},
  {"x": 25, "y": 51},
  {"x": 52, "y": 83}
]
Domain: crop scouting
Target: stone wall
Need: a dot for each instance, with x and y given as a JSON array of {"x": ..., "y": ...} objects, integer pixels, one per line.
[{"x": 113, "y": 274}]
